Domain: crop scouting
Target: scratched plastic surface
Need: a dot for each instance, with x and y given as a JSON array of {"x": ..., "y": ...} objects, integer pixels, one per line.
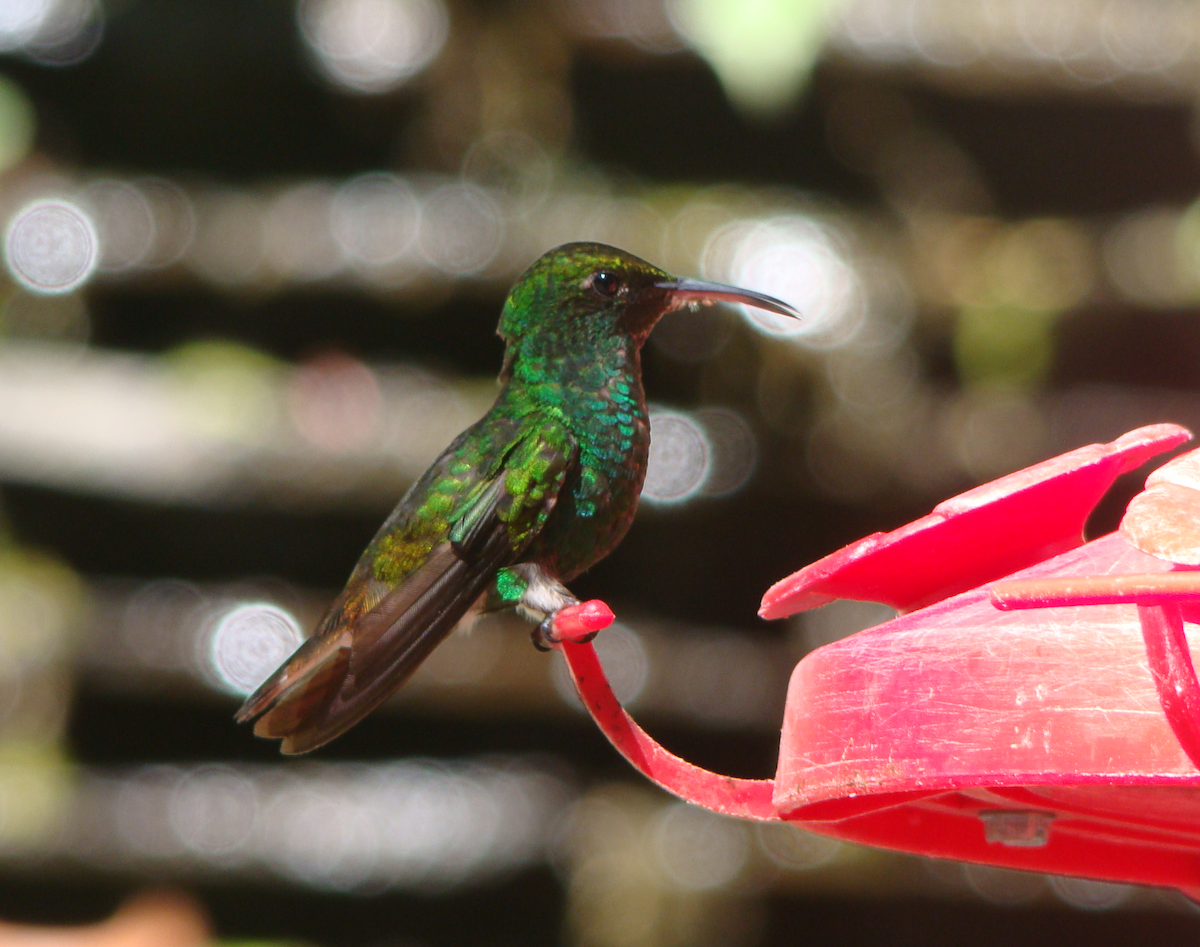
[
  {"x": 927, "y": 732},
  {"x": 1033, "y": 738},
  {"x": 962, "y": 709},
  {"x": 961, "y": 691}
]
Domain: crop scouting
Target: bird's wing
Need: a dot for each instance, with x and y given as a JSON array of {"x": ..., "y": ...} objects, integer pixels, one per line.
[{"x": 385, "y": 624}]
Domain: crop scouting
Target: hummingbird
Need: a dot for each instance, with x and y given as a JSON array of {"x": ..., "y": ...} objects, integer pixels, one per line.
[{"x": 541, "y": 488}]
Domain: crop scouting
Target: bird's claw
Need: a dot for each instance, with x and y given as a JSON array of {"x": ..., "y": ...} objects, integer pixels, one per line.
[{"x": 579, "y": 623}]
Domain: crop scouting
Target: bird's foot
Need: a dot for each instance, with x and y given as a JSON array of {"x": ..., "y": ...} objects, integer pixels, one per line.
[{"x": 579, "y": 623}]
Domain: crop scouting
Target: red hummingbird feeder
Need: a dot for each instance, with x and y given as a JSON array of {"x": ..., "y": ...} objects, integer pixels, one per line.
[{"x": 1034, "y": 706}]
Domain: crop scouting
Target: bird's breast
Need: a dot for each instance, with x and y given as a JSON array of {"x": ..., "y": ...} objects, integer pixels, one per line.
[{"x": 598, "y": 503}]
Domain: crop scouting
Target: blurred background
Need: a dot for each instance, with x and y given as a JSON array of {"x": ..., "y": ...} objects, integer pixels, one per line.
[{"x": 256, "y": 250}]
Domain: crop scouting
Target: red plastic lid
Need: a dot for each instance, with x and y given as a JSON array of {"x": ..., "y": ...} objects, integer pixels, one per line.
[
  {"x": 1050, "y": 721},
  {"x": 977, "y": 536}
]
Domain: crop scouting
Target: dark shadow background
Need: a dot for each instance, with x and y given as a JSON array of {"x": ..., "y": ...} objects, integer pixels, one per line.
[{"x": 222, "y": 91}]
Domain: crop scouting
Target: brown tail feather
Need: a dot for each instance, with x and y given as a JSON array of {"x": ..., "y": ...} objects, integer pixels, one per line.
[{"x": 338, "y": 677}]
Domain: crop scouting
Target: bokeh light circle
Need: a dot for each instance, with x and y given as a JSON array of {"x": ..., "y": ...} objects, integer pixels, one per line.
[
  {"x": 1004, "y": 885},
  {"x": 794, "y": 848},
  {"x": 335, "y": 403},
  {"x": 248, "y": 642},
  {"x": 299, "y": 243},
  {"x": 51, "y": 247},
  {"x": 21, "y": 20},
  {"x": 698, "y": 850},
  {"x": 124, "y": 216},
  {"x": 461, "y": 229},
  {"x": 626, "y": 664},
  {"x": 374, "y": 46},
  {"x": 375, "y": 218},
  {"x": 213, "y": 810},
  {"x": 1089, "y": 895},
  {"x": 796, "y": 259},
  {"x": 68, "y": 33},
  {"x": 679, "y": 458},
  {"x": 733, "y": 450}
]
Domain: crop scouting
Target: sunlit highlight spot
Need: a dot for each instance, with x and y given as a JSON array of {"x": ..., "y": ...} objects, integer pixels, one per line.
[
  {"x": 1141, "y": 37},
  {"x": 20, "y": 21},
  {"x": 679, "y": 458},
  {"x": 942, "y": 34},
  {"x": 323, "y": 836},
  {"x": 795, "y": 259},
  {"x": 139, "y": 811},
  {"x": 1143, "y": 46},
  {"x": 374, "y": 46},
  {"x": 225, "y": 390},
  {"x": 51, "y": 247},
  {"x": 248, "y": 642},
  {"x": 1058, "y": 32}
]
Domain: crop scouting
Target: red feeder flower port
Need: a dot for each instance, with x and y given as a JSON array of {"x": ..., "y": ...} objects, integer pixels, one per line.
[{"x": 1034, "y": 706}]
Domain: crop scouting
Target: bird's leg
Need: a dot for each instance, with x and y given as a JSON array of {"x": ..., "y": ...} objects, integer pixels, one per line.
[{"x": 540, "y": 597}]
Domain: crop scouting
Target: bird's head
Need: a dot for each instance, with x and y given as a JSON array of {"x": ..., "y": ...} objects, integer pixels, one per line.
[{"x": 588, "y": 293}]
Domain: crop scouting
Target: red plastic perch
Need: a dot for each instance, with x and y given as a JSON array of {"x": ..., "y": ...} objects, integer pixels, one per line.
[{"x": 1057, "y": 732}]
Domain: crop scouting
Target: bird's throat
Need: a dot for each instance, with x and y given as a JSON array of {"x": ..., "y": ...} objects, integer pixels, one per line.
[{"x": 581, "y": 381}]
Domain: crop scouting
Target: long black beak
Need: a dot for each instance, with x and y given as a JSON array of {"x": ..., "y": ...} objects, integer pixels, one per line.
[{"x": 685, "y": 291}]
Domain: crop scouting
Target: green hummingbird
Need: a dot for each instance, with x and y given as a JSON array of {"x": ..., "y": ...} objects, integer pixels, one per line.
[{"x": 542, "y": 487}]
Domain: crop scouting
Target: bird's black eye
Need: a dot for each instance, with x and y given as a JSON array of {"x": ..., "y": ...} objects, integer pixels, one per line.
[{"x": 606, "y": 283}]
